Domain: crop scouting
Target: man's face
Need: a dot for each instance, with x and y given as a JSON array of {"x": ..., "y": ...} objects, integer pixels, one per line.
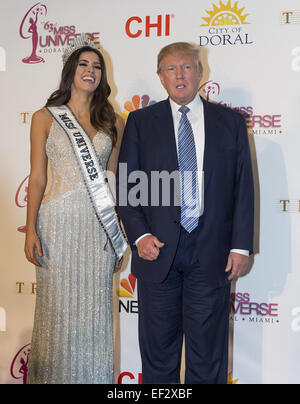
[{"x": 181, "y": 77}]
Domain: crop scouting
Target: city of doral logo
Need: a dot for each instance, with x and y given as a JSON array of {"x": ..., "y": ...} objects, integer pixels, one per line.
[
  {"x": 136, "y": 102},
  {"x": 230, "y": 380},
  {"x": 225, "y": 25},
  {"x": 19, "y": 366},
  {"x": 225, "y": 15}
]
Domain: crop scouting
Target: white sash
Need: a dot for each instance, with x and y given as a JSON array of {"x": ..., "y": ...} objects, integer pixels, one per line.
[{"x": 93, "y": 176}]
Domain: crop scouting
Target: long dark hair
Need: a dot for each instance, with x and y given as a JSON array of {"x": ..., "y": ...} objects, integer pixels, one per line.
[{"x": 102, "y": 113}]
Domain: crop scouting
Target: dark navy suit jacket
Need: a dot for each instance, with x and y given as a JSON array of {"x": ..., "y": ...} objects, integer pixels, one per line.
[{"x": 149, "y": 145}]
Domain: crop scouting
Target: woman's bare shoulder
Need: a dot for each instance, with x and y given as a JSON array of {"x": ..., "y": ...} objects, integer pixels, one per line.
[{"x": 43, "y": 118}]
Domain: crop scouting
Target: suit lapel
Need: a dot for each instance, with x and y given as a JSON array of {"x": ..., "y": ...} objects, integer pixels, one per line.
[
  {"x": 212, "y": 129},
  {"x": 164, "y": 128}
]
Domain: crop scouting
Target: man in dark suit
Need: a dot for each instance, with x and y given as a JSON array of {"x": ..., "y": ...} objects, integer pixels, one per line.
[{"x": 189, "y": 243}]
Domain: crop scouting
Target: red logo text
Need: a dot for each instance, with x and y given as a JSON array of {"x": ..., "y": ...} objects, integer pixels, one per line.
[{"x": 159, "y": 26}]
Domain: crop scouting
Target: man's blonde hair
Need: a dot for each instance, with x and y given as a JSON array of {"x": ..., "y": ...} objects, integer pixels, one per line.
[{"x": 179, "y": 48}]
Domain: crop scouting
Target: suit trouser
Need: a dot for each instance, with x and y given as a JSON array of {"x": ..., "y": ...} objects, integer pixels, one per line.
[{"x": 184, "y": 305}]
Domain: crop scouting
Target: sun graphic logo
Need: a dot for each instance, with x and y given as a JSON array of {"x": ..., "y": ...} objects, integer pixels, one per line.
[
  {"x": 225, "y": 15},
  {"x": 225, "y": 26},
  {"x": 230, "y": 380},
  {"x": 136, "y": 102},
  {"x": 127, "y": 287}
]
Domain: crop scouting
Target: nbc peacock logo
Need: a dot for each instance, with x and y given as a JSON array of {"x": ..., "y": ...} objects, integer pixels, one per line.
[
  {"x": 137, "y": 102},
  {"x": 225, "y": 25},
  {"x": 127, "y": 287}
]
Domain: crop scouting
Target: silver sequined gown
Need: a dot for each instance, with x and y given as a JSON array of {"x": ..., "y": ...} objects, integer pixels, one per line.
[{"x": 72, "y": 340}]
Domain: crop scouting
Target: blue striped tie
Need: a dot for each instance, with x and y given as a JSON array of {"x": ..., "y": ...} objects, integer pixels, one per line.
[{"x": 188, "y": 173}]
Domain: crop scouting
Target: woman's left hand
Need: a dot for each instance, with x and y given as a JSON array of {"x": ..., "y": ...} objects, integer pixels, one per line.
[{"x": 118, "y": 265}]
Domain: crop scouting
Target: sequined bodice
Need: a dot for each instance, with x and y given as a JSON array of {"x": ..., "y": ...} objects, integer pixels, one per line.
[{"x": 64, "y": 171}]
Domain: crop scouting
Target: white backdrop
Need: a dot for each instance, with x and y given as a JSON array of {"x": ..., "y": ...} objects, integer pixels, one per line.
[{"x": 251, "y": 55}]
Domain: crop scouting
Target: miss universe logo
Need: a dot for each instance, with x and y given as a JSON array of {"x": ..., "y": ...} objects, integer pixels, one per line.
[
  {"x": 21, "y": 199},
  {"x": 258, "y": 124},
  {"x": 47, "y": 36},
  {"x": 29, "y": 29},
  {"x": 246, "y": 309},
  {"x": 19, "y": 366}
]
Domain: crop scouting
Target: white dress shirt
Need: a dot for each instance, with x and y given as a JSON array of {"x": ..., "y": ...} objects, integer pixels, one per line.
[{"x": 196, "y": 117}]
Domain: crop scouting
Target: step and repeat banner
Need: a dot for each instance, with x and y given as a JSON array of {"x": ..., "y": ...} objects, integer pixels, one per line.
[{"x": 251, "y": 58}]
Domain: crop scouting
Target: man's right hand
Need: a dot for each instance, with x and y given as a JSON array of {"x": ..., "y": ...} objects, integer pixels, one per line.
[{"x": 149, "y": 247}]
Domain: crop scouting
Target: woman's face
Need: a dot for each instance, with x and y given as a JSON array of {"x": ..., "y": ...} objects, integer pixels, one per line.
[{"x": 88, "y": 72}]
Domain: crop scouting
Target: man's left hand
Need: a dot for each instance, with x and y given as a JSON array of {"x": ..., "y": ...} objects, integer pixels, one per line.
[{"x": 237, "y": 264}]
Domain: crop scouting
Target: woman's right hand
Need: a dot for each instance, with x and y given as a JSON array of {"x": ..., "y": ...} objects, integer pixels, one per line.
[{"x": 33, "y": 242}]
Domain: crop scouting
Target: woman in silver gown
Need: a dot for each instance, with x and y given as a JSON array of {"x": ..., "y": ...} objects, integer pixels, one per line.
[{"x": 72, "y": 340}]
